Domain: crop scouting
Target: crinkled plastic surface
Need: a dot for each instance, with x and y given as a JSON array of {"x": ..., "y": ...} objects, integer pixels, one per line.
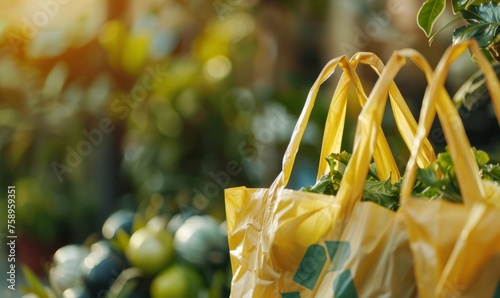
[{"x": 455, "y": 246}]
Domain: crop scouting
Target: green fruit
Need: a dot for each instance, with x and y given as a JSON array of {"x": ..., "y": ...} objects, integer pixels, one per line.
[
  {"x": 176, "y": 281},
  {"x": 150, "y": 250}
]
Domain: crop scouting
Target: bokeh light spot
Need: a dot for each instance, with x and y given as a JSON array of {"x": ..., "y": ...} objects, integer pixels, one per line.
[{"x": 217, "y": 68}]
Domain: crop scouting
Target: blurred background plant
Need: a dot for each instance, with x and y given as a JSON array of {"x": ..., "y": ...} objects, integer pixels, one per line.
[{"x": 105, "y": 103}]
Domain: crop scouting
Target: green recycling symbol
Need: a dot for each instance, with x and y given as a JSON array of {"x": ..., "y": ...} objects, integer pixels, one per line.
[{"x": 313, "y": 262}]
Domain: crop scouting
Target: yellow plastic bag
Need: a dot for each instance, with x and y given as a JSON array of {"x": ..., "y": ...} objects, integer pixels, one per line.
[
  {"x": 286, "y": 243},
  {"x": 456, "y": 246}
]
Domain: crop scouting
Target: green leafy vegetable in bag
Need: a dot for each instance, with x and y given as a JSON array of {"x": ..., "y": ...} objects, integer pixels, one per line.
[
  {"x": 437, "y": 181},
  {"x": 440, "y": 179},
  {"x": 382, "y": 192}
]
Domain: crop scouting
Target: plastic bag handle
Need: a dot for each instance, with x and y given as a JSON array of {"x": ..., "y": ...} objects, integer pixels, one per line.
[
  {"x": 405, "y": 121},
  {"x": 466, "y": 168},
  {"x": 351, "y": 188},
  {"x": 291, "y": 151},
  {"x": 334, "y": 127},
  {"x": 384, "y": 157}
]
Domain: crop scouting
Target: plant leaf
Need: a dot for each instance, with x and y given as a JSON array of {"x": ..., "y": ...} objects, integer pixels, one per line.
[
  {"x": 35, "y": 286},
  {"x": 383, "y": 193},
  {"x": 327, "y": 184},
  {"x": 474, "y": 92},
  {"x": 458, "y": 5},
  {"x": 372, "y": 172},
  {"x": 491, "y": 172},
  {"x": 342, "y": 158},
  {"x": 428, "y": 14},
  {"x": 482, "y": 157},
  {"x": 484, "y": 24},
  {"x": 431, "y": 39}
]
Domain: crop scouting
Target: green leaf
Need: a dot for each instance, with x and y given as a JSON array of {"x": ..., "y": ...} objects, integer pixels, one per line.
[
  {"x": 458, "y": 5},
  {"x": 383, "y": 193},
  {"x": 474, "y": 93},
  {"x": 444, "y": 161},
  {"x": 331, "y": 163},
  {"x": 451, "y": 189},
  {"x": 431, "y": 39},
  {"x": 372, "y": 172},
  {"x": 491, "y": 172},
  {"x": 428, "y": 14},
  {"x": 326, "y": 184},
  {"x": 329, "y": 184},
  {"x": 482, "y": 157},
  {"x": 488, "y": 171},
  {"x": 436, "y": 181},
  {"x": 424, "y": 191},
  {"x": 428, "y": 176},
  {"x": 342, "y": 159},
  {"x": 484, "y": 24},
  {"x": 439, "y": 180},
  {"x": 35, "y": 286}
]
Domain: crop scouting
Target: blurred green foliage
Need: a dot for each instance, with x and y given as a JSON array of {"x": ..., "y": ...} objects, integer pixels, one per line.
[{"x": 105, "y": 103}]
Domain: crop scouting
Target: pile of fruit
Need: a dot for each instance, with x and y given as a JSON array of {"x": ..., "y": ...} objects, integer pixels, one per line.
[{"x": 184, "y": 255}]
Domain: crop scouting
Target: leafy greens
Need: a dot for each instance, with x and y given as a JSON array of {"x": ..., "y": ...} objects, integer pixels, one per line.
[{"x": 437, "y": 181}]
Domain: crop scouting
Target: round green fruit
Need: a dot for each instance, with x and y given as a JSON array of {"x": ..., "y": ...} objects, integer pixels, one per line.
[
  {"x": 150, "y": 250},
  {"x": 177, "y": 281}
]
